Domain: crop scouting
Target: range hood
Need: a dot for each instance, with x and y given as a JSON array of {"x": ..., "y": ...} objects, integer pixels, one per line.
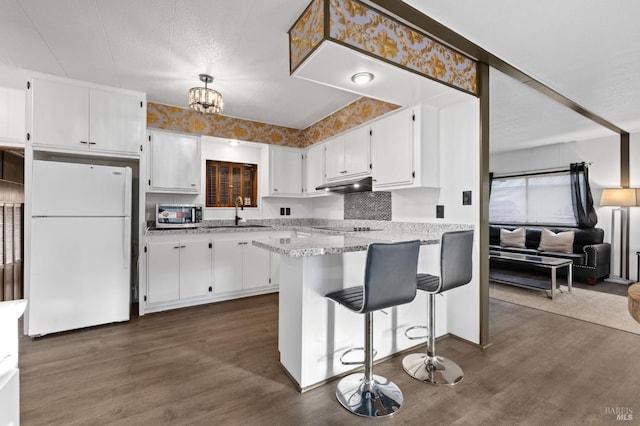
[{"x": 348, "y": 186}]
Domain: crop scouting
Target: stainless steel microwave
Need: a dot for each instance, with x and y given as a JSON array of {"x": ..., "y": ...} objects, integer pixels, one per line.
[{"x": 178, "y": 215}]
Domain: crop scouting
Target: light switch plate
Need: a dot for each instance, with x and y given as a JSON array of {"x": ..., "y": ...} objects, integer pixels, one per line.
[
  {"x": 440, "y": 212},
  {"x": 466, "y": 198}
]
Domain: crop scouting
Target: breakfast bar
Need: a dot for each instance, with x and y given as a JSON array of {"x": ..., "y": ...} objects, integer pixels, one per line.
[{"x": 313, "y": 333}]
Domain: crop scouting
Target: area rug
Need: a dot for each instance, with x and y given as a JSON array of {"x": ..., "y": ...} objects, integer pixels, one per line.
[{"x": 598, "y": 308}]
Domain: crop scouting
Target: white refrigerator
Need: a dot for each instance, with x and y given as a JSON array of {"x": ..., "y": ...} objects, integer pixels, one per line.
[{"x": 80, "y": 247}]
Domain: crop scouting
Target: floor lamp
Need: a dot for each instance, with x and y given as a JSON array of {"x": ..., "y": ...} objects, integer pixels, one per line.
[{"x": 623, "y": 198}]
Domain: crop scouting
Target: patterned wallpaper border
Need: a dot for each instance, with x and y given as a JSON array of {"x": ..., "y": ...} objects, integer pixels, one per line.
[
  {"x": 364, "y": 29},
  {"x": 166, "y": 117},
  {"x": 306, "y": 33}
]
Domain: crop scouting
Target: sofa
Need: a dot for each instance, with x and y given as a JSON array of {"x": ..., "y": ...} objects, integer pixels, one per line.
[{"x": 590, "y": 255}]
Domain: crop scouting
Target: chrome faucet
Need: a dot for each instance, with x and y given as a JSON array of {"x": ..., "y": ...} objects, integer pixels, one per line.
[{"x": 238, "y": 203}]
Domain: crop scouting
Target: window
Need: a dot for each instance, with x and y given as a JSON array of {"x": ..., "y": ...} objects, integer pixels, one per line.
[
  {"x": 534, "y": 199},
  {"x": 226, "y": 181}
]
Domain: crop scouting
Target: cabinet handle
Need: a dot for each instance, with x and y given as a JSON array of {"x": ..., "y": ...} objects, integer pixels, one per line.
[
  {"x": 92, "y": 143},
  {"x": 193, "y": 184},
  {"x": 176, "y": 247},
  {"x": 275, "y": 189},
  {"x": 84, "y": 142}
]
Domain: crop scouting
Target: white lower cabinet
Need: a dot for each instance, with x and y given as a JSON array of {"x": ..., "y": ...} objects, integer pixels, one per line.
[
  {"x": 240, "y": 266},
  {"x": 228, "y": 268},
  {"x": 195, "y": 269},
  {"x": 191, "y": 269},
  {"x": 256, "y": 267},
  {"x": 178, "y": 270}
]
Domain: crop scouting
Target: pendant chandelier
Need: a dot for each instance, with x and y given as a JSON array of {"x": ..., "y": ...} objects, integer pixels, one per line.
[{"x": 203, "y": 99}]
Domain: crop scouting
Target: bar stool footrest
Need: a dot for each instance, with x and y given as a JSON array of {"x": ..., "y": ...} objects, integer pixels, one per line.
[
  {"x": 348, "y": 351},
  {"x": 416, "y": 327}
]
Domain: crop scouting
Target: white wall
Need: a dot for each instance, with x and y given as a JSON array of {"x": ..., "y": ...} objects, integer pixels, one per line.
[
  {"x": 459, "y": 171},
  {"x": 328, "y": 207},
  {"x": 634, "y": 216},
  {"x": 415, "y": 205},
  {"x": 604, "y": 172}
]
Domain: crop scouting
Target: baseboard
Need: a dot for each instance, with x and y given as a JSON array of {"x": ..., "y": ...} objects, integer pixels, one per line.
[{"x": 618, "y": 280}]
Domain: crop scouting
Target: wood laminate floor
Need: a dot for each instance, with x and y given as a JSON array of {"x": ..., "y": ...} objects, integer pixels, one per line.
[{"x": 217, "y": 364}]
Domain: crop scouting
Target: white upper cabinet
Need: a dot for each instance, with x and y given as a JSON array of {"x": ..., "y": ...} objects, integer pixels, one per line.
[
  {"x": 285, "y": 171},
  {"x": 404, "y": 149},
  {"x": 12, "y": 116},
  {"x": 347, "y": 155},
  {"x": 175, "y": 164},
  {"x": 392, "y": 150},
  {"x": 73, "y": 116},
  {"x": 314, "y": 169},
  {"x": 116, "y": 121}
]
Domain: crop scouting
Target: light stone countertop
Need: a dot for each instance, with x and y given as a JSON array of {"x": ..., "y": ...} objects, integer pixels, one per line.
[
  {"x": 321, "y": 244},
  {"x": 311, "y": 241}
]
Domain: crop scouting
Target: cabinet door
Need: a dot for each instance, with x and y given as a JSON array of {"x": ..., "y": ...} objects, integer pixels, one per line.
[
  {"x": 356, "y": 152},
  {"x": 314, "y": 168},
  {"x": 175, "y": 163},
  {"x": 228, "y": 266},
  {"x": 190, "y": 164},
  {"x": 116, "y": 122},
  {"x": 195, "y": 268},
  {"x": 60, "y": 114},
  {"x": 256, "y": 266},
  {"x": 163, "y": 274},
  {"x": 12, "y": 118},
  {"x": 286, "y": 171},
  {"x": 334, "y": 158},
  {"x": 392, "y": 150}
]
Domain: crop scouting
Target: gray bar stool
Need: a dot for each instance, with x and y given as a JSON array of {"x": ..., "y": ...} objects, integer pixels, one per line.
[
  {"x": 389, "y": 280},
  {"x": 455, "y": 270}
]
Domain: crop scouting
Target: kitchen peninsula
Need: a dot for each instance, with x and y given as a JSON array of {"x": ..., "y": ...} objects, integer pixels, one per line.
[{"x": 313, "y": 332}]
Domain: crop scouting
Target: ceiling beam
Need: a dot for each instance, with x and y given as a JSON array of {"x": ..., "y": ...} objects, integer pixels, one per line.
[{"x": 417, "y": 19}]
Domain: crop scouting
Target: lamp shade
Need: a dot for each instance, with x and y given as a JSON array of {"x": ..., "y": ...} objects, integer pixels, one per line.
[{"x": 622, "y": 197}]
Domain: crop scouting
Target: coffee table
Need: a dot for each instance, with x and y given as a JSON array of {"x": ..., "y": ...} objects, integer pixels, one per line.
[{"x": 552, "y": 263}]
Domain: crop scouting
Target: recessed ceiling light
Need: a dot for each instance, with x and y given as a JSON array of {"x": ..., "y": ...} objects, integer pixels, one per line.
[{"x": 362, "y": 77}]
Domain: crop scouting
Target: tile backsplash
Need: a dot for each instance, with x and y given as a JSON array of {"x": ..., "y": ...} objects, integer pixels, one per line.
[{"x": 367, "y": 205}]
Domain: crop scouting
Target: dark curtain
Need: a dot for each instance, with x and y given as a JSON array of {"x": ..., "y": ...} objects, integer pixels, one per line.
[
  {"x": 581, "y": 197},
  {"x": 490, "y": 183}
]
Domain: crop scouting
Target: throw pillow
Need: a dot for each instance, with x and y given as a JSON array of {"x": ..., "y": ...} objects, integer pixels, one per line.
[
  {"x": 562, "y": 242},
  {"x": 513, "y": 238}
]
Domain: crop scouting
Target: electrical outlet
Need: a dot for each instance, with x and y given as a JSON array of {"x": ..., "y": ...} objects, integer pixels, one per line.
[
  {"x": 440, "y": 212},
  {"x": 288, "y": 211},
  {"x": 281, "y": 211}
]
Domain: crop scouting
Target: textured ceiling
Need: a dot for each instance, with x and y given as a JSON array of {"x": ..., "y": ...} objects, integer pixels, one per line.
[{"x": 589, "y": 50}]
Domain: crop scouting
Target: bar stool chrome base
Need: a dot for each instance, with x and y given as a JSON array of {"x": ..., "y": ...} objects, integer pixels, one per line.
[
  {"x": 436, "y": 370},
  {"x": 381, "y": 399}
]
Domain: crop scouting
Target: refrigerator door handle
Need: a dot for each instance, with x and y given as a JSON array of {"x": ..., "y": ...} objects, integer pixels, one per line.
[{"x": 126, "y": 242}]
